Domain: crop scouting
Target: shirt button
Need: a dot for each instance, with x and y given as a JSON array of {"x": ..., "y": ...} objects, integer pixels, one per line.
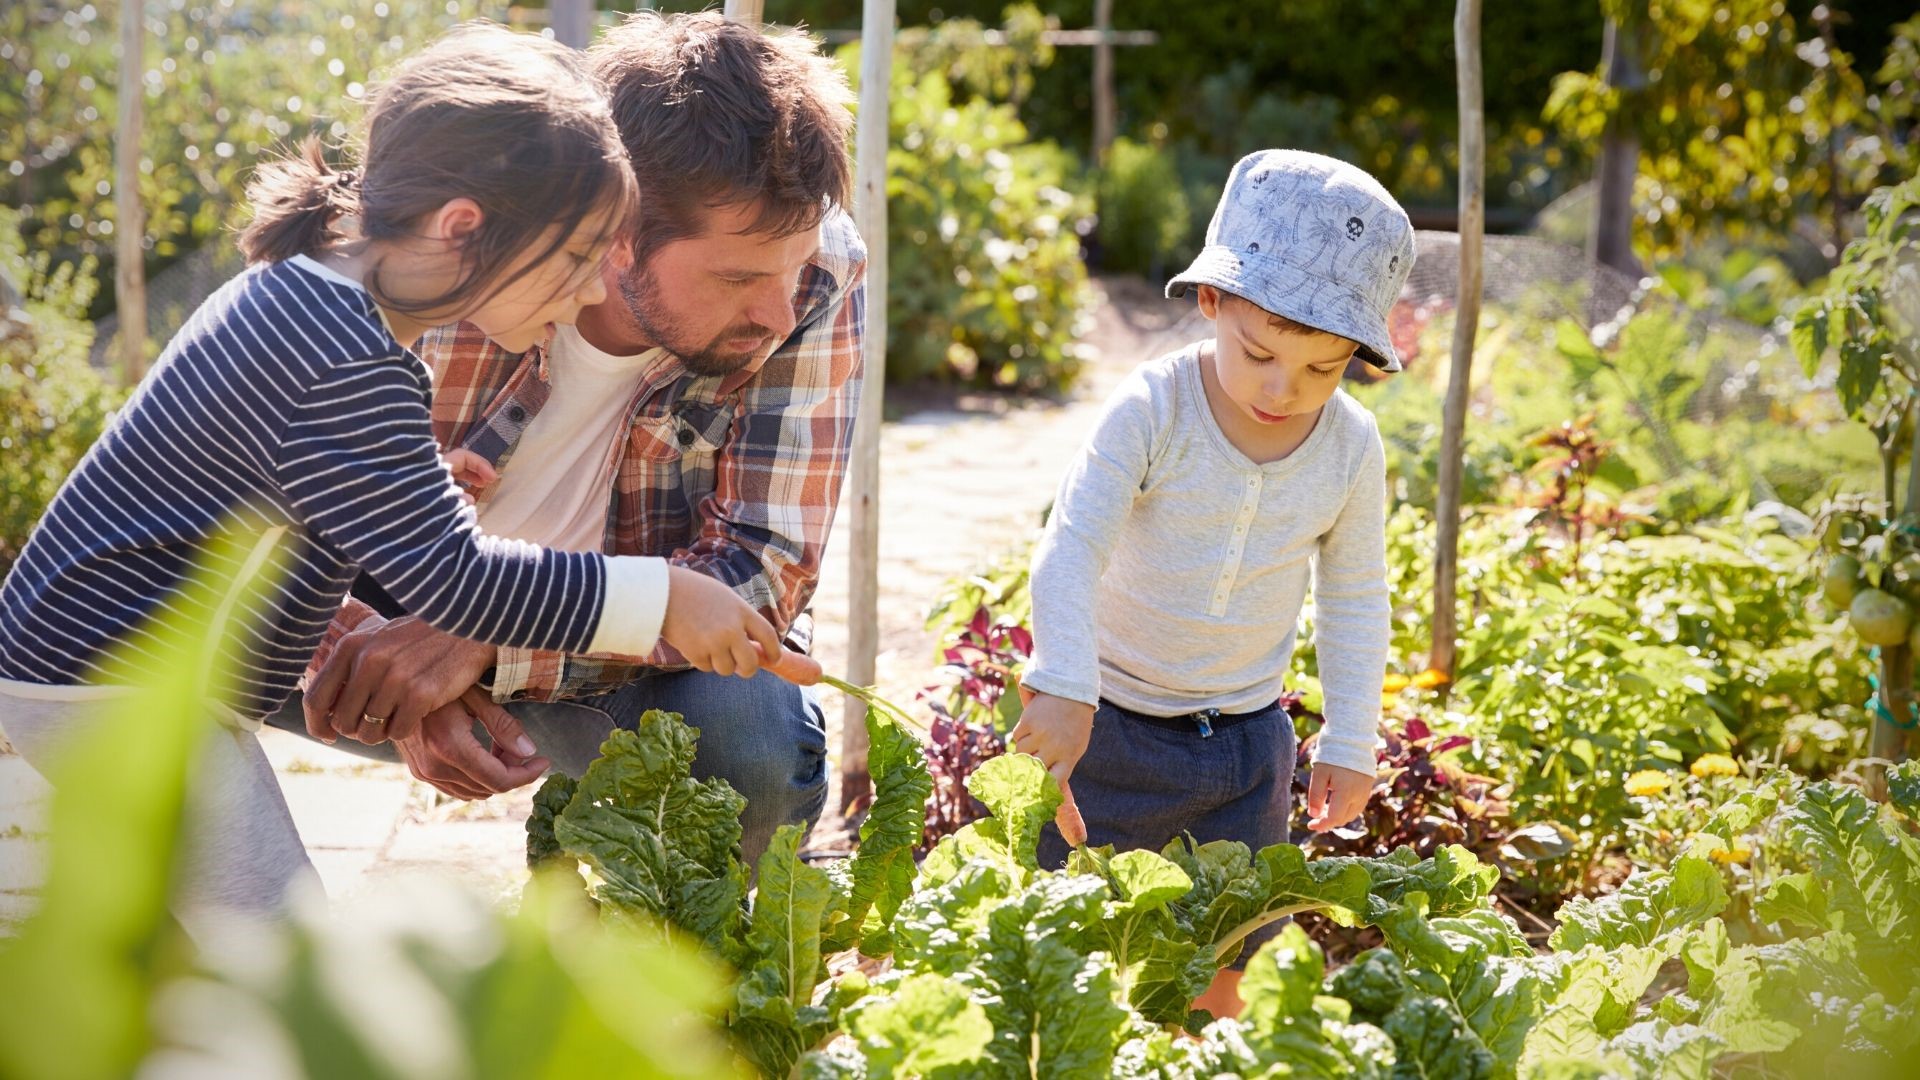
[
  {"x": 516, "y": 413},
  {"x": 686, "y": 437}
]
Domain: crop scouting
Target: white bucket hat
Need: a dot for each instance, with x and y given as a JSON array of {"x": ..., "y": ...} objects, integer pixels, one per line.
[{"x": 1311, "y": 238}]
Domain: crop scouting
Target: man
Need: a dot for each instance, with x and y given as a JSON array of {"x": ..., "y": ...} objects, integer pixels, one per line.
[{"x": 703, "y": 414}]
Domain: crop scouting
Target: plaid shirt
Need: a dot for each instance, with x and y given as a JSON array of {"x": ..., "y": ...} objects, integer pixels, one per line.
[{"x": 734, "y": 476}]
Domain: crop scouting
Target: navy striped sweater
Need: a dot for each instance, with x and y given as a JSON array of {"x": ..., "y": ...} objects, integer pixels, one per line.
[{"x": 284, "y": 401}]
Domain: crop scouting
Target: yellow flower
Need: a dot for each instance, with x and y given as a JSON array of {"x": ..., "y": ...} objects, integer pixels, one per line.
[
  {"x": 1431, "y": 678},
  {"x": 1738, "y": 853},
  {"x": 1648, "y": 782},
  {"x": 1395, "y": 683},
  {"x": 1389, "y": 702},
  {"x": 1714, "y": 765}
]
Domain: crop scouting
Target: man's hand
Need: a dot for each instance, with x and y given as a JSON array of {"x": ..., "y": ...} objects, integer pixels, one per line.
[
  {"x": 1336, "y": 796},
  {"x": 1056, "y": 731},
  {"x": 443, "y": 751},
  {"x": 396, "y": 671},
  {"x": 713, "y": 628}
]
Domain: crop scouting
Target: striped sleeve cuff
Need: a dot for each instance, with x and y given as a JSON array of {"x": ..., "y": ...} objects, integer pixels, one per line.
[{"x": 635, "y": 607}]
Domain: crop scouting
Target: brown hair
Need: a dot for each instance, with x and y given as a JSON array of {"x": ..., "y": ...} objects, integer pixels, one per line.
[
  {"x": 715, "y": 114},
  {"x": 512, "y": 121}
]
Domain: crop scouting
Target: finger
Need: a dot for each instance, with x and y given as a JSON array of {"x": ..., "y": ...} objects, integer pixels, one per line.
[
  {"x": 746, "y": 658},
  {"x": 405, "y": 719},
  {"x": 1073, "y": 827},
  {"x": 479, "y": 470},
  {"x": 1026, "y": 696},
  {"x": 375, "y": 721},
  {"x": 479, "y": 768},
  {"x": 762, "y": 633},
  {"x": 1317, "y": 795},
  {"x": 721, "y": 661},
  {"x": 353, "y": 701},
  {"x": 442, "y": 781},
  {"x": 505, "y": 731},
  {"x": 318, "y": 701}
]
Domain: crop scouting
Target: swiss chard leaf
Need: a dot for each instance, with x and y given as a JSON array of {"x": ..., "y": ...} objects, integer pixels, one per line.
[
  {"x": 1652, "y": 905},
  {"x": 774, "y": 1020},
  {"x": 883, "y": 870},
  {"x": 928, "y": 1026},
  {"x": 661, "y": 844}
]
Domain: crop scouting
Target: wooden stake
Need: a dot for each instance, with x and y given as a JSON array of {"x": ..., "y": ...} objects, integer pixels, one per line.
[
  {"x": 130, "y": 224},
  {"x": 863, "y": 475},
  {"x": 572, "y": 21},
  {"x": 1473, "y": 205},
  {"x": 1103, "y": 110},
  {"x": 745, "y": 11}
]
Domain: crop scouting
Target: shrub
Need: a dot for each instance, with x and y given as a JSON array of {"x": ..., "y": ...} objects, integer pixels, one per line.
[
  {"x": 986, "y": 284},
  {"x": 1143, "y": 209},
  {"x": 52, "y": 404}
]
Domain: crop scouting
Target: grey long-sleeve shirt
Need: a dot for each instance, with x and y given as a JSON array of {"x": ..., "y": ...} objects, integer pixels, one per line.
[{"x": 1173, "y": 569}]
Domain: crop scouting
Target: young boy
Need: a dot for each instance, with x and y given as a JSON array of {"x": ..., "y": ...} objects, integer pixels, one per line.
[{"x": 1168, "y": 587}]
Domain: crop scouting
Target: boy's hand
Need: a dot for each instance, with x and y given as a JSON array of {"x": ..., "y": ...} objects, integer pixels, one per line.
[
  {"x": 1336, "y": 796},
  {"x": 713, "y": 628},
  {"x": 470, "y": 471},
  {"x": 1056, "y": 731}
]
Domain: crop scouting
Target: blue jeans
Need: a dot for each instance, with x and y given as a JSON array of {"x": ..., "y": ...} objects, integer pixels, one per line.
[{"x": 764, "y": 735}]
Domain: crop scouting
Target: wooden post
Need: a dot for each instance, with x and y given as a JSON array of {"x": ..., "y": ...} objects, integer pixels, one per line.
[
  {"x": 745, "y": 11},
  {"x": 1473, "y": 207},
  {"x": 130, "y": 225},
  {"x": 863, "y": 475},
  {"x": 1612, "y": 240},
  {"x": 572, "y": 21},
  {"x": 1103, "y": 110}
]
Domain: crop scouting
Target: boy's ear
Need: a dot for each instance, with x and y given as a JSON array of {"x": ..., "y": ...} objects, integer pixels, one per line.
[
  {"x": 1209, "y": 301},
  {"x": 456, "y": 221}
]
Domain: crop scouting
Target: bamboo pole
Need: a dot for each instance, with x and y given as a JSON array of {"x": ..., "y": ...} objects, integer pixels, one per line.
[
  {"x": 130, "y": 225},
  {"x": 863, "y": 481},
  {"x": 572, "y": 21},
  {"x": 1103, "y": 109},
  {"x": 745, "y": 11},
  {"x": 1473, "y": 206}
]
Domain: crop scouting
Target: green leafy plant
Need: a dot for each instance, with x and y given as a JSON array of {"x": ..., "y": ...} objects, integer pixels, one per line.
[
  {"x": 103, "y": 983},
  {"x": 994, "y": 291},
  {"x": 1143, "y": 209},
  {"x": 52, "y": 404}
]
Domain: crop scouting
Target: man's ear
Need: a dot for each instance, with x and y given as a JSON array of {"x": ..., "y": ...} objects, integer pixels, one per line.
[{"x": 456, "y": 221}]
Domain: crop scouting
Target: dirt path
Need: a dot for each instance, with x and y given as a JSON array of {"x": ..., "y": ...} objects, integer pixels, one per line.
[{"x": 963, "y": 478}]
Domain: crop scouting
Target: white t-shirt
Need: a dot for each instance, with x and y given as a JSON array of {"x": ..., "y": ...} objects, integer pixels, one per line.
[{"x": 556, "y": 488}]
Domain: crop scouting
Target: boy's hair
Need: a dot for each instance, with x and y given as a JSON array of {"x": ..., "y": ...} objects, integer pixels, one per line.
[
  {"x": 1279, "y": 323},
  {"x": 512, "y": 121},
  {"x": 716, "y": 113}
]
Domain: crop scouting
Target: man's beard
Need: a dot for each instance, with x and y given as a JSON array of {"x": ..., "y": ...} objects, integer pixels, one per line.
[{"x": 641, "y": 291}]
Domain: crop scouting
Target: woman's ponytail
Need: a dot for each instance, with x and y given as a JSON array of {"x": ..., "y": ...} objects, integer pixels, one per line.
[{"x": 297, "y": 202}]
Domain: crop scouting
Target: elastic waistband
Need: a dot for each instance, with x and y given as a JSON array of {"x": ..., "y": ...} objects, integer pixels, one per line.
[{"x": 1202, "y": 723}]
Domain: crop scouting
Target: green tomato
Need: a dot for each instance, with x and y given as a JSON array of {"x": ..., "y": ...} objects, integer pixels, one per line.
[
  {"x": 1842, "y": 579},
  {"x": 1880, "y": 618}
]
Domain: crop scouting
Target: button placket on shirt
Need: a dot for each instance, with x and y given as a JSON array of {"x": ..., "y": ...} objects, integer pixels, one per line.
[{"x": 1236, "y": 547}]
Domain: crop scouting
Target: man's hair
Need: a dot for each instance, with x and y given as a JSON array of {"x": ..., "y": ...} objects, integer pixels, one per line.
[{"x": 715, "y": 113}]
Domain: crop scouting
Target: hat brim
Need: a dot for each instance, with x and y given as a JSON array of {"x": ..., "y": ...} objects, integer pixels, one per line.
[{"x": 1307, "y": 298}]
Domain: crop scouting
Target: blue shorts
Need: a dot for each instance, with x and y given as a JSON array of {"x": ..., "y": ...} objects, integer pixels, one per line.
[{"x": 1145, "y": 780}]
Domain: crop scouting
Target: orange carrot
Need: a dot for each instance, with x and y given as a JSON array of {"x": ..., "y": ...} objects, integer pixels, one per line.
[
  {"x": 1073, "y": 828},
  {"x": 797, "y": 668}
]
